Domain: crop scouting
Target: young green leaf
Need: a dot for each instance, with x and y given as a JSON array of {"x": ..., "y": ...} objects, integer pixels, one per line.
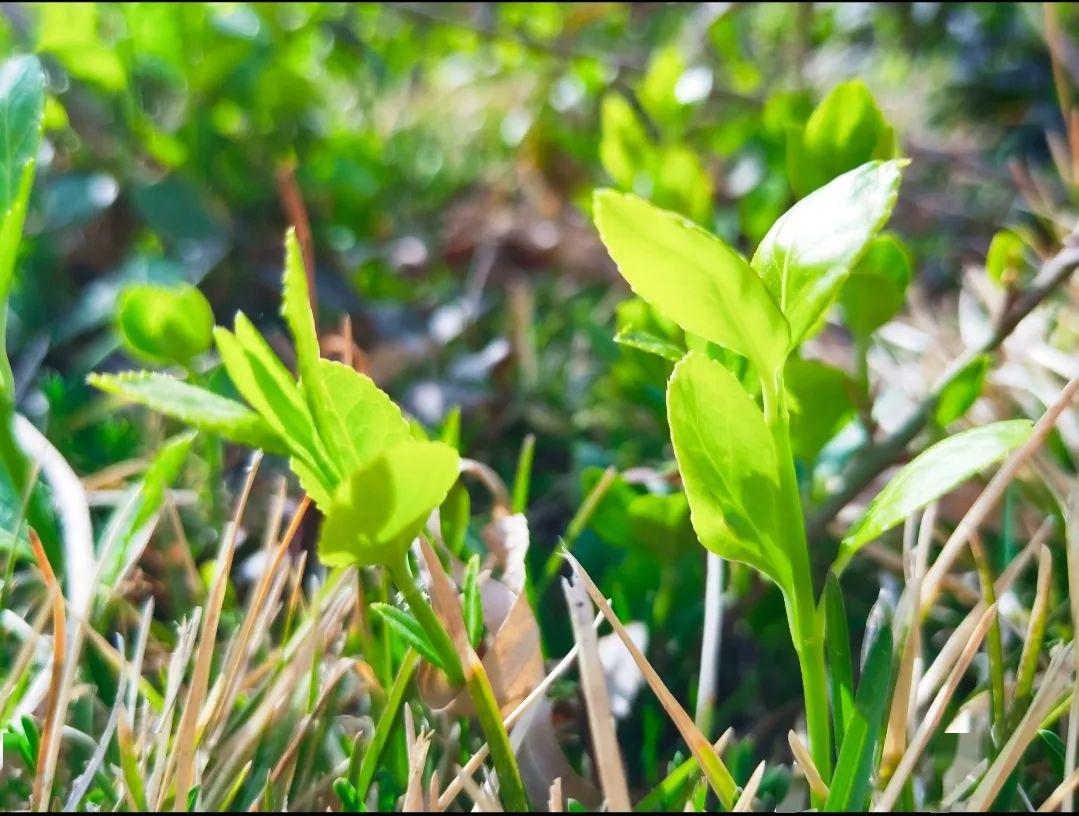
[
  {"x": 877, "y": 287},
  {"x": 195, "y": 406},
  {"x": 962, "y": 391},
  {"x": 728, "y": 466},
  {"x": 643, "y": 341},
  {"x": 819, "y": 402},
  {"x": 929, "y": 476},
  {"x": 806, "y": 256},
  {"x": 1006, "y": 257},
  {"x": 840, "y": 671},
  {"x": 409, "y": 630},
  {"x": 360, "y": 421},
  {"x": 265, "y": 383},
  {"x": 165, "y": 324},
  {"x": 851, "y": 782},
  {"x": 845, "y": 130},
  {"x": 377, "y": 511},
  {"x": 163, "y": 471},
  {"x": 692, "y": 278},
  {"x": 22, "y": 110}
]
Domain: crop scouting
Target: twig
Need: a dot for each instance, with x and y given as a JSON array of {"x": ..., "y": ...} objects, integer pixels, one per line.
[{"x": 874, "y": 457}]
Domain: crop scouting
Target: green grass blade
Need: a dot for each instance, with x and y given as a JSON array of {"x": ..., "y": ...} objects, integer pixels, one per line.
[
  {"x": 851, "y": 781},
  {"x": 837, "y": 642}
]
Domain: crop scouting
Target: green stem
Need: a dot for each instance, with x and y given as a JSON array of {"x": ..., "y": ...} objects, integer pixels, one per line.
[
  {"x": 802, "y": 618},
  {"x": 369, "y": 763},
  {"x": 479, "y": 687}
]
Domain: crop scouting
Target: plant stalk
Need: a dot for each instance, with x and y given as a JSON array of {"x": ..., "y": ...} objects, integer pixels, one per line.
[{"x": 803, "y": 620}]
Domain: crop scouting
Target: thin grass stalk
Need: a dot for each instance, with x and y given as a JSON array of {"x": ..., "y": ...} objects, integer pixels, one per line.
[
  {"x": 995, "y": 641},
  {"x": 1072, "y": 542},
  {"x": 711, "y": 765},
  {"x": 187, "y": 733},
  {"x": 1032, "y": 642},
  {"x": 41, "y": 794},
  {"x": 933, "y": 716},
  {"x": 607, "y": 755},
  {"x": 710, "y": 643}
]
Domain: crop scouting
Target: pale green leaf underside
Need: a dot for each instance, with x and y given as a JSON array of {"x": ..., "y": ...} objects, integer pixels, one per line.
[
  {"x": 360, "y": 420},
  {"x": 194, "y": 406},
  {"x": 728, "y": 466},
  {"x": 691, "y": 277},
  {"x": 266, "y": 384},
  {"x": 377, "y": 512},
  {"x": 932, "y": 474},
  {"x": 807, "y": 254}
]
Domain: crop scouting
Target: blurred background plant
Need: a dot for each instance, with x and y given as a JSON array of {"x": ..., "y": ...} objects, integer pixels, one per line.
[{"x": 438, "y": 163}]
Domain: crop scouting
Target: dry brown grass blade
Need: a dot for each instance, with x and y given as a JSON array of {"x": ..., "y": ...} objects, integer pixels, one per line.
[
  {"x": 554, "y": 801},
  {"x": 478, "y": 758},
  {"x": 916, "y": 558},
  {"x": 607, "y": 755},
  {"x": 932, "y": 717},
  {"x": 992, "y": 493},
  {"x": 802, "y": 756},
  {"x": 49, "y": 747},
  {"x": 749, "y": 792},
  {"x": 947, "y": 655},
  {"x": 1055, "y": 682},
  {"x": 181, "y": 656},
  {"x": 187, "y": 733},
  {"x": 224, "y": 689},
  {"x": 289, "y": 755},
  {"x": 701, "y": 748},
  {"x": 417, "y": 758},
  {"x": 1072, "y": 538},
  {"x": 483, "y": 801}
]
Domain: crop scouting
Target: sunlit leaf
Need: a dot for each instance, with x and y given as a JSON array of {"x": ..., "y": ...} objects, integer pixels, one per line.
[
  {"x": 931, "y": 475},
  {"x": 807, "y": 255},
  {"x": 194, "y": 406},
  {"x": 692, "y": 278},
  {"x": 962, "y": 391},
  {"x": 728, "y": 466},
  {"x": 377, "y": 511}
]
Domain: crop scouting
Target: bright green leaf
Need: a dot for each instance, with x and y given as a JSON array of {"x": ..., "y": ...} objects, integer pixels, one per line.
[
  {"x": 194, "y": 406},
  {"x": 409, "y": 630},
  {"x": 692, "y": 278},
  {"x": 1006, "y": 257},
  {"x": 22, "y": 110},
  {"x": 265, "y": 383},
  {"x": 165, "y": 324},
  {"x": 728, "y": 466},
  {"x": 930, "y": 475},
  {"x": 807, "y": 255},
  {"x": 378, "y": 510},
  {"x": 877, "y": 287},
  {"x": 360, "y": 420},
  {"x": 819, "y": 402},
  {"x": 852, "y": 780},
  {"x": 844, "y": 131},
  {"x": 962, "y": 391},
  {"x": 650, "y": 343}
]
